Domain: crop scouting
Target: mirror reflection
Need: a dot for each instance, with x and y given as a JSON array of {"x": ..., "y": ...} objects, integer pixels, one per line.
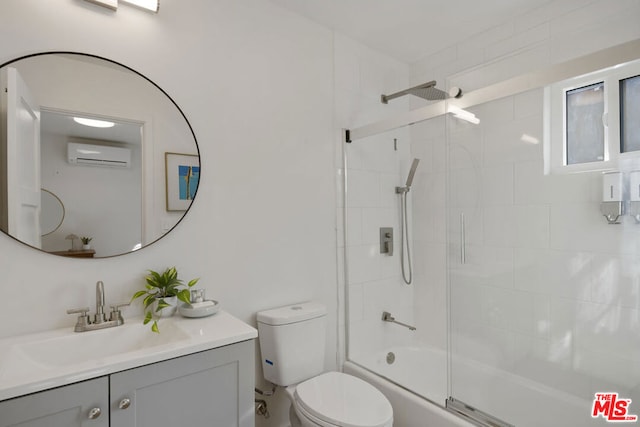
[{"x": 97, "y": 136}]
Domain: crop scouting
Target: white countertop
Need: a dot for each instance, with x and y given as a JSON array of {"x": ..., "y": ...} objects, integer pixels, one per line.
[{"x": 37, "y": 362}]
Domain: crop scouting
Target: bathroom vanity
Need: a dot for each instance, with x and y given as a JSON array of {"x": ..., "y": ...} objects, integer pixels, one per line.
[{"x": 196, "y": 372}]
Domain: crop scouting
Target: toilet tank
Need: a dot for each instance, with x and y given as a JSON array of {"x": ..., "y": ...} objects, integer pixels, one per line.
[{"x": 292, "y": 342}]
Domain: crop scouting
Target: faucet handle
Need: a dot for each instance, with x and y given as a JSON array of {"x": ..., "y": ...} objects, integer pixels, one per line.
[
  {"x": 115, "y": 312},
  {"x": 116, "y": 307},
  {"x": 83, "y": 319},
  {"x": 82, "y": 311}
]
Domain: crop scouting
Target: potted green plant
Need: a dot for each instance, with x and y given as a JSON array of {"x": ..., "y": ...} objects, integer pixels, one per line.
[
  {"x": 85, "y": 243},
  {"x": 161, "y": 294}
]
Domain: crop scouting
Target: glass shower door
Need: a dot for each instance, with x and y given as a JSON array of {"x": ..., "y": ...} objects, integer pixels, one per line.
[{"x": 543, "y": 291}]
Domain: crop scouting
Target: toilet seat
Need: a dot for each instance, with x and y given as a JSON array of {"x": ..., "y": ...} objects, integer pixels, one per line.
[{"x": 339, "y": 399}]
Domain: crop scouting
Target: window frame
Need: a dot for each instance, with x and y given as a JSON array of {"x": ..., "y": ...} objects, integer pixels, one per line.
[{"x": 556, "y": 120}]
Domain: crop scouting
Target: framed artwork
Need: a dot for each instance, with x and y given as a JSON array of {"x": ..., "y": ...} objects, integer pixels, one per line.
[{"x": 182, "y": 175}]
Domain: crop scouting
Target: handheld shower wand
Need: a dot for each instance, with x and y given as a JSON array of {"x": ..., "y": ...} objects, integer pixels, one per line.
[
  {"x": 412, "y": 172},
  {"x": 404, "y": 223}
]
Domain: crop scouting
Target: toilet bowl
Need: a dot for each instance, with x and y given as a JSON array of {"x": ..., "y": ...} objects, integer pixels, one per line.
[
  {"x": 335, "y": 399},
  {"x": 292, "y": 342}
]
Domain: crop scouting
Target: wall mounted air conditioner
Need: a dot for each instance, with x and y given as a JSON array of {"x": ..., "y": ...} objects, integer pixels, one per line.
[{"x": 98, "y": 155}]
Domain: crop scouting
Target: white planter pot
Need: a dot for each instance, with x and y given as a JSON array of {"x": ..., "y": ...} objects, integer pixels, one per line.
[
  {"x": 86, "y": 247},
  {"x": 167, "y": 311}
]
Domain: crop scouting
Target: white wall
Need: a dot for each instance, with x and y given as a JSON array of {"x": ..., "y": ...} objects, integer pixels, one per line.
[{"x": 256, "y": 84}]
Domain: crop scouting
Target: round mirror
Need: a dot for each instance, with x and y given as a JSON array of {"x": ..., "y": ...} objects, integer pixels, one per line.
[{"x": 103, "y": 138}]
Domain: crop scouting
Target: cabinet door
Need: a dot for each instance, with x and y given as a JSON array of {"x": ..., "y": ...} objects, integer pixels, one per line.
[
  {"x": 68, "y": 406},
  {"x": 211, "y": 388}
]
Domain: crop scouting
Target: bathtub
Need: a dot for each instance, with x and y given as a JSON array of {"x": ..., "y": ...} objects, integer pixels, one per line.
[
  {"x": 416, "y": 385},
  {"x": 415, "y": 372}
]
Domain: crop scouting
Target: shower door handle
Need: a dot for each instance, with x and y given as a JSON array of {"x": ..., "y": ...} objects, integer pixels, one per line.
[{"x": 463, "y": 249}]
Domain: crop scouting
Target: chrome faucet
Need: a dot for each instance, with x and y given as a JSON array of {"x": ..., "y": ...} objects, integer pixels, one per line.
[
  {"x": 100, "y": 321},
  {"x": 99, "y": 317}
]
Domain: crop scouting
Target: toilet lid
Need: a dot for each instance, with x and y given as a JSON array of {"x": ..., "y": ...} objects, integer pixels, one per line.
[{"x": 344, "y": 400}]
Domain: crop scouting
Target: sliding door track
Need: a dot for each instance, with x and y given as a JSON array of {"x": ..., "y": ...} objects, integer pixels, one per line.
[{"x": 473, "y": 415}]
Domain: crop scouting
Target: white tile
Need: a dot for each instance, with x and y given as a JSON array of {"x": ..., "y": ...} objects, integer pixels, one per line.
[
  {"x": 495, "y": 113},
  {"x": 531, "y": 185},
  {"x": 497, "y": 266},
  {"x": 592, "y": 13},
  {"x": 616, "y": 280},
  {"x": 614, "y": 328},
  {"x": 463, "y": 135},
  {"x": 507, "y": 309},
  {"x": 555, "y": 273},
  {"x": 356, "y": 303},
  {"x": 465, "y": 187},
  {"x": 497, "y": 185},
  {"x": 363, "y": 264},
  {"x": 363, "y": 188},
  {"x": 521, "y": 40},
  {"x": 532, "y": 226},
  {"x": 375, "y": 218},
  {"x": 354, "y": 227},
  {"x": 506, "y": 143},
  {"x": 388, "y": 196},
  {"x": 528, "y": 103},
  {"x": 580, "y": 226},
  {"x": 390, "y": 295},
  {"x": 466, "y": 298},
  {"x": 601, "y": 33},
  {"x": 499, "y": 226}
]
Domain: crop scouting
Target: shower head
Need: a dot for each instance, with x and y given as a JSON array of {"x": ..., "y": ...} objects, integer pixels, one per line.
[
  {"x": 427, "y": 91},
  {"x": 412, "y": 172}
]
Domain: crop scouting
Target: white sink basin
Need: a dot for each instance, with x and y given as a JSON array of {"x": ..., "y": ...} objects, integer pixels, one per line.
[
  {"x": 80, "y": 347},
  {"x": 30, "y": 363}
]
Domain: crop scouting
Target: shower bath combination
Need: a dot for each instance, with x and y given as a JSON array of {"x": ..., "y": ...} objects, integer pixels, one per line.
[{"x": 405, "y": 245}]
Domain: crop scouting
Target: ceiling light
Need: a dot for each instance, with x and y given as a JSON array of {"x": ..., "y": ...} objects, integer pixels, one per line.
[
  {"x": 151, "y": 5},
  {"x": 93, "y": 122}
]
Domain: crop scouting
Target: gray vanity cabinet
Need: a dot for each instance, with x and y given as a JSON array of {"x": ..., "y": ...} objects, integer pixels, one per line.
[
  {"x": 211, "y": 388},
  {"x": 68, "y": 406},
  {"x": 206, "y": 389}
]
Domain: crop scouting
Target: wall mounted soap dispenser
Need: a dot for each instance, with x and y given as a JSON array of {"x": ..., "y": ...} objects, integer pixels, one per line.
[
  {"x": 612, "y": 206},
  {"x": 634, "y": 195}
]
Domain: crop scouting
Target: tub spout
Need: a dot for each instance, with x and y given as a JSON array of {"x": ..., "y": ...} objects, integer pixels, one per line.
[{"x": 387, "y": 317}]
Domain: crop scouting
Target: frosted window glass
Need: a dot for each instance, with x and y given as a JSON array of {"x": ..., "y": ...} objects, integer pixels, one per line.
[
  {"x": 585, "y": 131},
  {"x": 630, "y": 114}
]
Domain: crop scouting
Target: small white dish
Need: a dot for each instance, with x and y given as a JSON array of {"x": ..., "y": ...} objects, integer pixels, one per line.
[{"x": 188, "y": 310}]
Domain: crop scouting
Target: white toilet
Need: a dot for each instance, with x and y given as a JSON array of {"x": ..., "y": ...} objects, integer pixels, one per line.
[{"x": 292, "y": 343}]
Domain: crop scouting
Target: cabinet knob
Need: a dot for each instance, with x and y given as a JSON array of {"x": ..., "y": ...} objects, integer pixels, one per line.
[
  {"x": 94, "y": 413},
  {"x": 124, "y": 403}
]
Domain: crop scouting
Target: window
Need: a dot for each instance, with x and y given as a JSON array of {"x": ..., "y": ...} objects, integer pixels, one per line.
[
  {"x": 630, "y": 114},
  {"x": 593, "y": 121},
  {"x": 584, "y": 127}
]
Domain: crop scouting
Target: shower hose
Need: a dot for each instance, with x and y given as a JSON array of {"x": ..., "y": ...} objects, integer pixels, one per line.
[{"x": 404, "y": 234}]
